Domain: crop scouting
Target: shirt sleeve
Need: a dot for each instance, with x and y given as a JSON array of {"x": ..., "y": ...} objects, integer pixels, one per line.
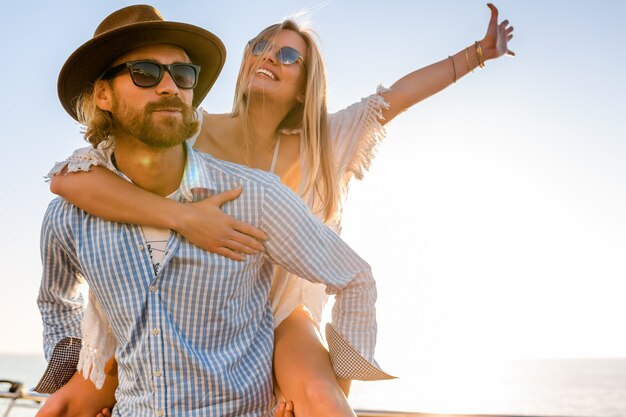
[
  {"x": 303, "y": 245},
  {"x": 355, "y": 133},
  {"x": 60, "y": 301}
]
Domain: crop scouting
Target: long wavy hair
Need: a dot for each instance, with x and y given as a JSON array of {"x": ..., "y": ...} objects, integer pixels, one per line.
[
  {"x": 97, "y": 124},
  {"x": 310, "y": 117}
]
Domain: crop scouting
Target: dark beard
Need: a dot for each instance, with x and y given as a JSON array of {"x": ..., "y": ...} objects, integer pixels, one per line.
[{"x": 169, "y": 132}]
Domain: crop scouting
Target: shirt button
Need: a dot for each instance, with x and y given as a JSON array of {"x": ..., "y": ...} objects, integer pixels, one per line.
[
  {"x": 140, "y": 247},
  {"x": 158, "y": 373},
  {"x": 153, "y": 288},
  {"x": 160, "y": 412},
  {"x": 155, "y": 332}
]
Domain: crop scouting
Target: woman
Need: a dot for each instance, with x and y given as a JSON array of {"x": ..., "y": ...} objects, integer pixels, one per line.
[{"x": 279, "y": 123}]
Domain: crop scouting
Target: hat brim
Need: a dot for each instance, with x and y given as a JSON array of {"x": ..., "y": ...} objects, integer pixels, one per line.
[{"x": 89, "y": 61}]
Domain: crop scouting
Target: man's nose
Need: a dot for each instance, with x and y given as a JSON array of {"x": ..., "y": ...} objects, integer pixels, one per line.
[{"x": 167, "y": 85}]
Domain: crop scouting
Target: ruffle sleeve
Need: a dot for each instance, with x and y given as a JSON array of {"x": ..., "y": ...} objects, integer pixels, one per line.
[
  {"x": 84, "y": 158},
  {"x": 355, "y": 133},
  {"x": 99, "y": 343}
]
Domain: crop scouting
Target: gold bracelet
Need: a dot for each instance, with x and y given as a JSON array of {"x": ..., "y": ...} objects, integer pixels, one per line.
[
  {"x": 469, "y": 68},
  {"x": 479, "y": 55},
  {"x": 453, "y": 67}
]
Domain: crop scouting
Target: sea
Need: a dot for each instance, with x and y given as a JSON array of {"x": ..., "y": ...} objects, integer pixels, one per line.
[{"x": 531, "y": 387}]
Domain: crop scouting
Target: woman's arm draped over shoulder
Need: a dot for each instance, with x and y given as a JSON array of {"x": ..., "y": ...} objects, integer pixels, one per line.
[
  {"x": 103, "y": 194},
  {"x": 427, "y": 81}
]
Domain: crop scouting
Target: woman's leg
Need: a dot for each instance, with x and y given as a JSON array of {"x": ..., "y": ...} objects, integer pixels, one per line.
[
  {"x": 80, "y": 398},
  {"x": 303, "y": 370}
]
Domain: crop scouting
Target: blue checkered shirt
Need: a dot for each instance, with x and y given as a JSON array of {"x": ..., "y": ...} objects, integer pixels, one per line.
[{"x": 196, "y": 339}]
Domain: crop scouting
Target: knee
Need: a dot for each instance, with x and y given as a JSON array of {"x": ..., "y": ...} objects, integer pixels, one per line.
[
  {"x": 55, "y": 406},
  {"x": 322, "y": 397}
]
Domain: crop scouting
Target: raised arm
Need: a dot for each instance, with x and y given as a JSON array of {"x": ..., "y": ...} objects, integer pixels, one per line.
[
  {"x": 427, "y": 81},
  {"x": 103, "y": 194}
]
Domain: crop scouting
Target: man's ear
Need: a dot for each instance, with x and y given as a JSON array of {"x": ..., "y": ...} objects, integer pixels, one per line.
[{"x": 103, "y": 95}]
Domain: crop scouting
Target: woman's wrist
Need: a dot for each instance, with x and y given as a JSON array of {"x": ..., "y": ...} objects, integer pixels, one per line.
[
  {"x": 174, "y": 216},
  {"x": 480, "y": 56},
  {"x": 488, "y": 53},
  {"x": 473, "y": 56}
]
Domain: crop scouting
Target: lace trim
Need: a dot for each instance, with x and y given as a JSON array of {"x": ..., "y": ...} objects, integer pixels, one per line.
[
  {"x": 373, "y": 133},
  {"x": 83, "y": 159},
  {"x": 98, "y": 343}
]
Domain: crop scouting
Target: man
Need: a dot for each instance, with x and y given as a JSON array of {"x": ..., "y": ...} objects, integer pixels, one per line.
[{"x": 195, "y": 336}]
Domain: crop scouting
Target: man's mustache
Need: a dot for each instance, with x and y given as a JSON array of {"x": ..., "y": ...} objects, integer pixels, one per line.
[{"x": 168, "y": 103}]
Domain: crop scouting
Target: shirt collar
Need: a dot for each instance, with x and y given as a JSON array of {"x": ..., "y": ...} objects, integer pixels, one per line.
[{"x": 196, "y": 176}]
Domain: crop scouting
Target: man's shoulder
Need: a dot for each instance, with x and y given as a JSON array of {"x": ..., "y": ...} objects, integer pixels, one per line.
[
  {"x": 59, "y": 205},
  {"x": 61, "y": 211}
]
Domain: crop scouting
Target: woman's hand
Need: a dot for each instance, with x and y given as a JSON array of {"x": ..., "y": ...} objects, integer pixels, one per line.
[
  {"x": 284, "y": 409},
  {"x": 496, "y": 41},
  {"x": 205, "y": 225},
  {"x": 104, "y": 413},
  {"x": 80, "y": 398}
]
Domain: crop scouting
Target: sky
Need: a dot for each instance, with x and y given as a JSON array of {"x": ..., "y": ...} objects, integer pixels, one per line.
[{"x": 494, "y": 215}]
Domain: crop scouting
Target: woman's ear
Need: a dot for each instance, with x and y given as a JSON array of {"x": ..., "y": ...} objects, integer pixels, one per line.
[
  {"x": 103, "y": 95},
  {"x": 300, "y": 98}
]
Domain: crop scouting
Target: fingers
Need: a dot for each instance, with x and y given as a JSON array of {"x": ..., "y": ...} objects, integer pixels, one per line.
[
  {"x": 250, "y": 248},
  {"x": 289, "y": 409},
  {"x": 494, "y": 14},
  {"x": 284, "y": 409},
  {"x": 226, "y": 196},
  {"x": 239, "y": 245},
  {"x": 248, "y": 242},
  {"x": 250, "y": 230},
  {"x": 230, "y": 254},
  {"x": 280, "y": 409},
  {"x": 511, "y": 53}
]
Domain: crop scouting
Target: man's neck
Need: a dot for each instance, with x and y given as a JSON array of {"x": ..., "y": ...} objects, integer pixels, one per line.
[{"x": 158, "y": 170}]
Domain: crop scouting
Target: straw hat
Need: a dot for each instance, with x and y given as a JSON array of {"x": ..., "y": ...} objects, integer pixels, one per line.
[{"x": 130, "y": 28}]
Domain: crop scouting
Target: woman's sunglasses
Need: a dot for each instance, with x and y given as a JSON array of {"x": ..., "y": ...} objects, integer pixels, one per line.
[
  {"x": 146, "y": 74},
  {"x": 285, "y": 55}
]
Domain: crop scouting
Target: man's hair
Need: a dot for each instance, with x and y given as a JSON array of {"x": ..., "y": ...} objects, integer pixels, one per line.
[
  {"x": 97, "y": 123},
  {"x": 311, "y": 117}
]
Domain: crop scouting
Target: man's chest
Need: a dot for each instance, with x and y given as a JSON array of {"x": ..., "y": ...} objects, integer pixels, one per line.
[{"x": 131, "y": 272}]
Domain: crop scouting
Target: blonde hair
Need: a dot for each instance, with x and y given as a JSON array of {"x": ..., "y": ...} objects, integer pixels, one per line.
[
  {"x": 311, "y": 116},
  {"x": 97, "y": 123}
]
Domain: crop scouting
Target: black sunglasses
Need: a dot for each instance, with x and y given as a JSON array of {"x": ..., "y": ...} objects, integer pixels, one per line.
[
  {"x": 285, "y": 55},
  {"x": 147, "y": 74}
]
